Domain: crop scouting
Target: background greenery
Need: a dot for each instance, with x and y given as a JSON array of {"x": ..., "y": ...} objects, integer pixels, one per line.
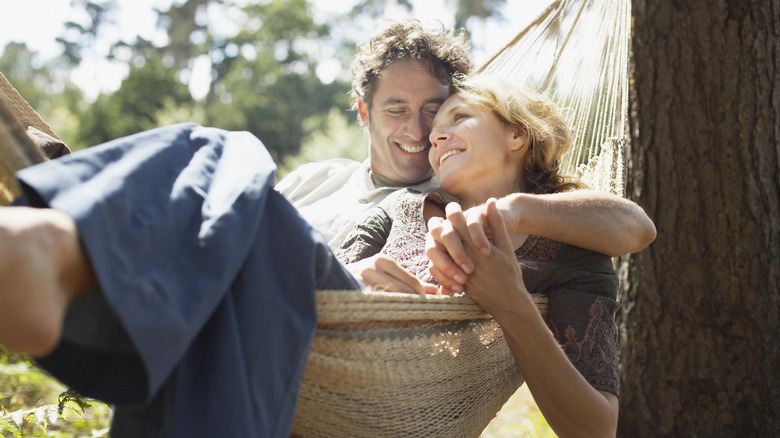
[
  {"x": 263, "y": 75},
  {"x": 263, "y": 79}
]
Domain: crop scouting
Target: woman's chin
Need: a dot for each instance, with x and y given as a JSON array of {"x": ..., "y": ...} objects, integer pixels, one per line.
[{"x": 449, "y": 184}]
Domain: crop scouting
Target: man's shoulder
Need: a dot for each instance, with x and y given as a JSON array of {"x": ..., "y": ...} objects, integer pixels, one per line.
[
  {"x": 327, "y": 167},
  {"x": 317, "y": 173},
  {"x": 334, "y": 164}
]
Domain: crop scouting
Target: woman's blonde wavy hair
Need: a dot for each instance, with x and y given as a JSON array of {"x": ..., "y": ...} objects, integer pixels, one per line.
[{"x": 548, "y": 133}]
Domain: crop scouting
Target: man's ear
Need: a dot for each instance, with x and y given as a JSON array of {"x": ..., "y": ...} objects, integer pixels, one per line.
[{"x": 363, "y": 111}]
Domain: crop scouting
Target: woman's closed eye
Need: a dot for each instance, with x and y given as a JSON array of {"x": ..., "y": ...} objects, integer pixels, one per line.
[{"x": 459, "y": 116}]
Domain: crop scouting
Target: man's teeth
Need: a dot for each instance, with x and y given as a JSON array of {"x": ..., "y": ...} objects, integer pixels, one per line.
[
  {"x": 413, "y": 149},
  {"x": 448, "y": 154}
]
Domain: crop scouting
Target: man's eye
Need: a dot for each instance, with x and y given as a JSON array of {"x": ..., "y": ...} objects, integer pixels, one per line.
[
  {"x": 395, "y": 112},
  {"x": 431, "y": 111}
]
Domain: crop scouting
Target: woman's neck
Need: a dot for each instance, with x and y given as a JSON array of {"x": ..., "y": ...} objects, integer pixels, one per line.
[{"x": 476, "y": 194}]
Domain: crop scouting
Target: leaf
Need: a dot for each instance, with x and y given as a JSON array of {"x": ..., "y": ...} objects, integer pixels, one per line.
[{"x": 72, "y": 396}]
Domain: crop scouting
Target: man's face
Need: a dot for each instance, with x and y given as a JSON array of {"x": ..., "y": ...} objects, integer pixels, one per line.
[{"x": 399, "y": 121}]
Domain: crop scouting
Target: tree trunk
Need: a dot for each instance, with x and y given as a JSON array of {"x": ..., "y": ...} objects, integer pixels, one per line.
[{"x": 700, "y": 346}]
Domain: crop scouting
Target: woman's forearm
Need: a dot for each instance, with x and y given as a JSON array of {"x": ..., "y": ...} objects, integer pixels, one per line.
[
  {"x": 589, "y": 219},
  {"x": 571, "y": 406}
]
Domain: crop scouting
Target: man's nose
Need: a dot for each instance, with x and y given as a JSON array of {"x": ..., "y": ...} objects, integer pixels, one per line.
[{"x": 416, "y": 126}]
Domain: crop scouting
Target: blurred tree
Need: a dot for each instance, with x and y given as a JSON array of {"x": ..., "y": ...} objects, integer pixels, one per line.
[
  {"x": 264, "y": 78},
  {"x": 481, "y": 9},
  {"x": 341, "y": 137},
  {"x": 147, "y": 90},
  {"x": 18, "y": 64},
  {"x": 184, "y": 23},
  {"x": 79, "y": 36},
  {"x": 46, "y": 87},
  {"x": 262, "y": 67},
  {"x": 378, "y": 8}
]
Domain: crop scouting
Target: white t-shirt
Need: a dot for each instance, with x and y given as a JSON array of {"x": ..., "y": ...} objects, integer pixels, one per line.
[{"x": 332, "y": 195}]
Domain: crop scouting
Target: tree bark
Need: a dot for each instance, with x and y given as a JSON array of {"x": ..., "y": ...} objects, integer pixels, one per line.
[{"x": 700, "y": 346}]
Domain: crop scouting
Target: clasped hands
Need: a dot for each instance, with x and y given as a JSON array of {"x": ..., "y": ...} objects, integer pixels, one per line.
[{"x": 470, "y": 251}]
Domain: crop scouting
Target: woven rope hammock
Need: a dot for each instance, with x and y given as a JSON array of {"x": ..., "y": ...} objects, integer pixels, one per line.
[{"x": 397, "y": 365}]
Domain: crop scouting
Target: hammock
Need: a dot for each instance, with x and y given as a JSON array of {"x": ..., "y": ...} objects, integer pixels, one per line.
[
  {"x": 16, "y": 147},
  {"x": 397, "y": 365}
]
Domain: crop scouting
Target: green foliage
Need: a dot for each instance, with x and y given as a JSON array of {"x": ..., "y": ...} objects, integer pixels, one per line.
[
  {"x": 32, "y": 404},
  {"x": 481, "y": 9},
  {"x": 265, "y": 77},
  {"x": 46, "y": 87},
  {"x": 81, "y": 35},
  {"x": 72, "y": 396},
  {"x": 149, "y": 90},
  {"x": 19, "y": 65},
  {"x": 341, "y": 137},
  {"x": 519, "y": 418}
]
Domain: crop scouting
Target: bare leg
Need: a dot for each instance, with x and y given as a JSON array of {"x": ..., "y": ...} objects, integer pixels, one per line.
[{"x": 42, "y": 268}]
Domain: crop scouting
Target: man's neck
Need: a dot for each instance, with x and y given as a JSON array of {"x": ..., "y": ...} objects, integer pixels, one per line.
[{"x": 383, "y": 181}]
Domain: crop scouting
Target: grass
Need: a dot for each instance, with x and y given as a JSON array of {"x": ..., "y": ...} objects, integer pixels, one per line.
[
  {"x": 31, "y": 404},
  {"x": 519, "y": 418}
]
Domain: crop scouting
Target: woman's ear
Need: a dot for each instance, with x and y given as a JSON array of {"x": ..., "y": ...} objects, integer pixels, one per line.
[{"x": 519, "y": 138}]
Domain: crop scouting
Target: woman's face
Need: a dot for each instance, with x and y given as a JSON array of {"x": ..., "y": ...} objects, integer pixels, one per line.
[{"x": 474, "y": 155}]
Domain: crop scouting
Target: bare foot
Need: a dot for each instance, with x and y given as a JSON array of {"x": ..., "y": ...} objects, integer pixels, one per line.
[{"x": 42, "y": 268}]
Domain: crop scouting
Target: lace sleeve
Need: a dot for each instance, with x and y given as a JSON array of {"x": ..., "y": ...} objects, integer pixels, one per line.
[{"x": 582, "y": 288}]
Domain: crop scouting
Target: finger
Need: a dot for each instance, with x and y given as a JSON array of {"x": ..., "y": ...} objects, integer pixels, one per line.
[
  {"x": 401, "y": 276},
  {"x": 380, "y": 281},
  {"x": 498, "y": 227},
  {"x": 476, "y": 223},
  {"x": 434, "y": 225},
  {"x": 452, "y": 236},
  {"x": 438, "y": 254},
  {"x": 441, "y": 258},
  {"x": 430, "y": 289},
  {"x": 455, "y": 216},
  {"x": 447, "y": 283}
]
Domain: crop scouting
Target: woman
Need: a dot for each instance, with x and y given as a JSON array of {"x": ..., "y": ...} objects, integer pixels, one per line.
[{"x": 489, "y": 140}]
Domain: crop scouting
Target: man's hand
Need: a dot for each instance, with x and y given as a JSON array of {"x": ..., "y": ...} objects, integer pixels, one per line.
[{"x": 383, "y": 273}]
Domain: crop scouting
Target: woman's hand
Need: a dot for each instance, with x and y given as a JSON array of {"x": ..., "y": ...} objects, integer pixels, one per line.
[
  {"x": 496, "y": 283},
  {"x": 446, "y": 243},
  {"x": 383, "y": 273}
]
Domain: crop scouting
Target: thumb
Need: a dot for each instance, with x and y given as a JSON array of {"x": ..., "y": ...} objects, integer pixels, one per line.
[{"x": 498, "y": 227}]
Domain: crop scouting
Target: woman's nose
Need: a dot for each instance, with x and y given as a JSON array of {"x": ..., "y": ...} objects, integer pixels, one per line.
[{"x": 438, "y": 135}]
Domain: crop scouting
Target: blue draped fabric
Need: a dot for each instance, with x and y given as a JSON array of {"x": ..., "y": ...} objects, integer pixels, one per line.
[{"x": 207, "y": 275}]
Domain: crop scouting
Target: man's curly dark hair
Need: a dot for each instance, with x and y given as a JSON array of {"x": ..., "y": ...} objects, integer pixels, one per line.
[{"x": 445, "y": 49}]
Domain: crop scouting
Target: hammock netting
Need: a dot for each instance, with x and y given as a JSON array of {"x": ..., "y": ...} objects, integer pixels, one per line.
[
  {"x": 397, "y": 365},
  {"x": 577, "y": 52}
]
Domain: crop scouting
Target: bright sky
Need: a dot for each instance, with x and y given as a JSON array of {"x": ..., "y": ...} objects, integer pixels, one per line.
[{"x": 39, "y": 22}]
